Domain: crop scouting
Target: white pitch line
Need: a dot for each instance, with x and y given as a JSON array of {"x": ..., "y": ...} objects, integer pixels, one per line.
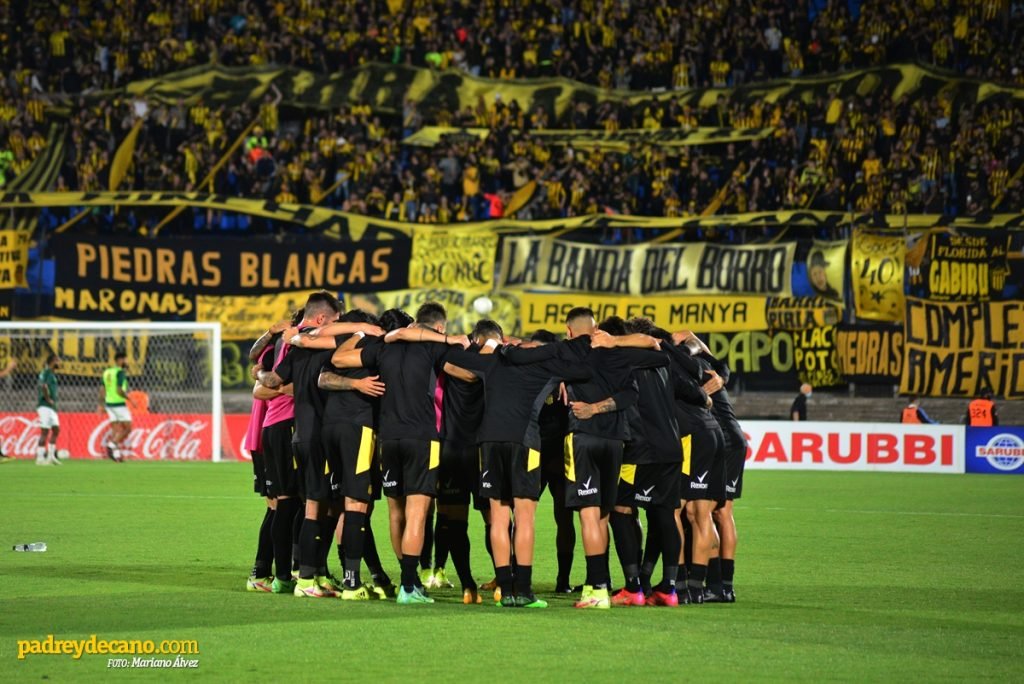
[
  {"x": 944, "y": 514},
  {"x": 60, "y": 495}
]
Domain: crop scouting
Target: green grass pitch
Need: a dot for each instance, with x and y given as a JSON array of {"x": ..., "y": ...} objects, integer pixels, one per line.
[{"x": 852, "y": 576}]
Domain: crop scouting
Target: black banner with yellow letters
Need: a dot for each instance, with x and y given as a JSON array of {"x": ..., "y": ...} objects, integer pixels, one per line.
[
  {"x": 963, "y": 265},
  {"x": 139, "y": 278}
]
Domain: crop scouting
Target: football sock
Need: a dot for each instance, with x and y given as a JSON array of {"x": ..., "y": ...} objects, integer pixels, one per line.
[
  {"x": 353, "y": 536},
  {"x": 728, "y": 570},
  {"x": 371, "y": 557},
  {"x": 410, "y": 576},
  {"x": 487, "y": 542},
  {"x": 327, "y": 527},
  {"x": 442, "y": 543},
  {"x": 458, "y": 542},
  {"x": 597, "y": 571},
  {"x": 51, "y": 450},
  {"x": 714, "y": 581},
  {"x": 627, "y": 546},
  {"x": 40, "y": 453},
  {"x": 523, "y": 580},
  {"x": 698, "y": 573},
  {"x": 309, "y": 548},
  {"x": 300, "y": 518},
  {"x": 427, "y": 552},
  {"x": 265, "y": 546},
  {"x": 504, "y": 576},
  {"x": 281, "y": 531},
  {"x": 663, "y": 526},
  {"x": 565, "y": 544}
]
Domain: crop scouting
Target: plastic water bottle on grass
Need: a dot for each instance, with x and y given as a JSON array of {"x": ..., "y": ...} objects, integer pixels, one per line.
[{"x": 34, "y": 546}]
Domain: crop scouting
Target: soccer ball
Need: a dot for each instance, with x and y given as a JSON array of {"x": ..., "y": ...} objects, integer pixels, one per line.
[
  {"x": 63, "y": 454},
  {"x": 483, "y": 305}
]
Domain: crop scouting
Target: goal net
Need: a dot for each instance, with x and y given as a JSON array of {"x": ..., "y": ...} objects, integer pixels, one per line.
[{"x": 173, "y": 375}]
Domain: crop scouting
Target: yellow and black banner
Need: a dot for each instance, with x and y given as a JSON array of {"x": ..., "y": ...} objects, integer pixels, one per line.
[
  {"x": 877, "y": 263},
  {"x": 800, "y": 313},
  {"x": 582, "y": 139},
  {"x": 960, "y": 349},
  {"x": 13, "y": 258},
  {"x": 646, "y": 269},
  {"x": 461, "y": 305},
  {"x": 699, "y": 314},
  {"x": 100, "y": 277},
  {"x": 871, "y": 354},
  {"x": 814, "y": 356},
  {"x": 452, "y": 257},
  {"x": 246, "y": 318},
  {"x": 386, "y": 87},
  {"x": 963, "y": 266},
  {"x": 345, "y": 226}
]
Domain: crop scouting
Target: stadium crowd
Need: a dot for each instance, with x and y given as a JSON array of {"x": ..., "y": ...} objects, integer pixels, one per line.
[{"x": 926, "y": 154}]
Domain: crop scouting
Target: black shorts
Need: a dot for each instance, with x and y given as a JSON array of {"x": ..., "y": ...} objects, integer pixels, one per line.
[
  {"x": 648, "y": 485},
  {"x": 703, "y": 471},
  {"x": 735, "y": 460},
  {"x": 459, "y": 474},
  {"x": 409, "y": 466},
  {"x": 552, "y": 467},
  {"x": 280, "y": 466},
  {"x": 509, "y": 471},
  {"x": 259, "y": 473},
  {"x": 321, "y": 472},
  {"x": 591, "y": 471},
  {"x": 352, "y": 446}
]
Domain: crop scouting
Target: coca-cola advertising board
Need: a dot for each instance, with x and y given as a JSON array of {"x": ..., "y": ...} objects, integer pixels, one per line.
[
  {"x": 154, "y": 437},
  {"x": 781, "y": 445}
]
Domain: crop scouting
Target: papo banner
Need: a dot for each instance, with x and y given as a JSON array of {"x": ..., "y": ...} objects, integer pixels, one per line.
[
  {"x": 877, "y": 264},
  {"x": 108, "y": 278},
  {"x": 699, "y": 314},
  {"x": 646, "y": 269},
  {"x": 13, "y": 258},
  {"x": 961, "y": 349},
  {"x": 780, "y": 445}
]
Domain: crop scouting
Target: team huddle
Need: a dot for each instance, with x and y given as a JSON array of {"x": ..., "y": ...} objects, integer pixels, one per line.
[{"x": 615, "y": 418}]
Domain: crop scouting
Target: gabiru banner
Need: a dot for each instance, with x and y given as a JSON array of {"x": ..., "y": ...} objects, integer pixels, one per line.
[
  {"x": 154, "y": 437},
  {"x": 995, "y": 450},
  {"x": 854, "y": 446}
]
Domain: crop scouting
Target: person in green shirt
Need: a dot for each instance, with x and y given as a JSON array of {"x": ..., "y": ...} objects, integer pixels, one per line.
[
  {"x": 46, "y": 410},
  {"x": 114, "y": 400}
]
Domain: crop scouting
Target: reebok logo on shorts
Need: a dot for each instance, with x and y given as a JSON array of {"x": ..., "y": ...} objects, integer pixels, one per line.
[
  {"x": 731, "y": 487},
  {"x": 587, "y": 489},
  {"x": 700, "y": 483},
  {"x": 646, "y": 496},
  {"x": 387, "y": 482},
  {"x": 483, "y": 477}
]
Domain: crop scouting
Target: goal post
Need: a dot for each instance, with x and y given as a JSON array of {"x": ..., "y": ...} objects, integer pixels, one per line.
[{"x": 173, "y": 373}]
